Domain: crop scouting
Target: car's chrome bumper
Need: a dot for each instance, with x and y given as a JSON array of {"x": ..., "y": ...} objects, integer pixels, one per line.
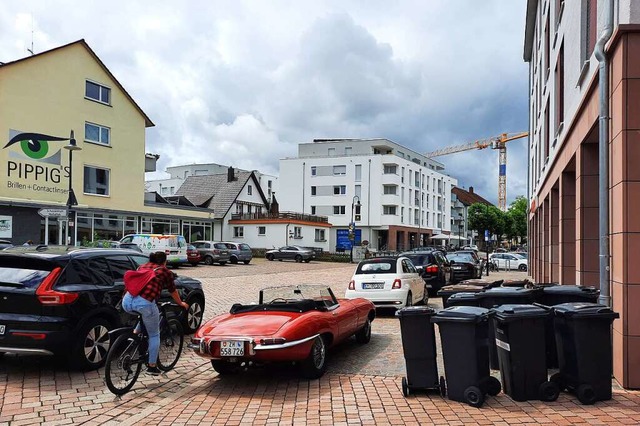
[
  {"x": 202, "y": 346},
  {"x": 25, "y": 351}
]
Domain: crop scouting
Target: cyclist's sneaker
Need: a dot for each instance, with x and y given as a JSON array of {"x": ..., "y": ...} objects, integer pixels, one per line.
[{"x": 154, "y": 371}]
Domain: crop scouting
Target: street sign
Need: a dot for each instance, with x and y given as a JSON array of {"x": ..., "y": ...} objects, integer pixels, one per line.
[
  {"x": 52, "y": 212},
  {"x": 486, "y": 234}
]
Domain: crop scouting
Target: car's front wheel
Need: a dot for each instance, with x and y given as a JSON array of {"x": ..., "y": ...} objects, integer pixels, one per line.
[
  {"x": 522, "y": 268},
  {"x": 91, "y": 345},
  {"x": 364, "y": 334},
  {"x": 233, "y": 260},
  {"x": 269, "y": 257},
  {"x": 298, "y": 258},
  {"x": 316, "y": 363}
]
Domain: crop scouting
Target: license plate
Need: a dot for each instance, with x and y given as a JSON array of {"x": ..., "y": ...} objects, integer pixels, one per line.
[
  {"x": 2, "y": 328},
  {"x": 457, "y": 268},
  {"x": 372, "y": 286},
  {"x": 231, "y": 348}
]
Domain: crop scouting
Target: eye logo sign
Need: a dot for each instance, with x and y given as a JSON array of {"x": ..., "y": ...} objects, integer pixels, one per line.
[{"x": 35, "y": 147}]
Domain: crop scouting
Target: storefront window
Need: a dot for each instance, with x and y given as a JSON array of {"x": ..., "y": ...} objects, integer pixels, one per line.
[{"x": 194, "y": 231}]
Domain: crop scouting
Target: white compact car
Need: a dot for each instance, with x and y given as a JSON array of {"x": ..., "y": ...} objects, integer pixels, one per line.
[
  {"x": 388, "y": 282},
  {"x": 509, "y": 261}
]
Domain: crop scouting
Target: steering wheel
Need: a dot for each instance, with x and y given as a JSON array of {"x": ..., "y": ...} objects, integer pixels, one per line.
[{"x": 278, "y": 299}]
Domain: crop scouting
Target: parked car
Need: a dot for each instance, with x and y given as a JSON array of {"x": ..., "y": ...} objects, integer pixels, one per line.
[
  {"x": 55, "y": 301},
  {"x": 193, "y": 256},
  {"x": 212, "y": 252},
  {"x": 434, "y": 268},
  {"x": 239, "y": 252},
  {"x": 296, "y": 253},
  {"x": 470, "y": 247},
  {"x": 175, "y": 246},
  {"x": 389, "y": 282},
  {"x": 476, "y": 257},
  {"x": 509, "y": 261},
  {"x": 289, "y": 323},
  {"x": 464, "y": 266}
]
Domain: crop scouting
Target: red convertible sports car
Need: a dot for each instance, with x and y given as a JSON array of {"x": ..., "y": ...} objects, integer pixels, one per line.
[{"x": 290, "y": 323}]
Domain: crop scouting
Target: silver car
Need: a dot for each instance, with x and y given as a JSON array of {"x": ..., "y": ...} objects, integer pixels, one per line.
[
  {"x": 239, "y": 252},
  {"x": 212, "y": 252}
]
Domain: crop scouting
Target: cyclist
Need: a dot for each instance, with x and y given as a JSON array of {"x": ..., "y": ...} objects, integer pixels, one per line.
[{"x": 145, "y": 303}]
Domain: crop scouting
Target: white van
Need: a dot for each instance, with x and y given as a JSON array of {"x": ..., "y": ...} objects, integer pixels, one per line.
[{"x": 175, "y": 246}]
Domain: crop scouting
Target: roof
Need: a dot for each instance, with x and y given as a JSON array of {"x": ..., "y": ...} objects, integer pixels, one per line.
[
  {"x": 214, "y": 192},
  {"x": 467, "y": 198},
  {"x": 529, "y": 29},
  {"x": 83, "y": 43}
]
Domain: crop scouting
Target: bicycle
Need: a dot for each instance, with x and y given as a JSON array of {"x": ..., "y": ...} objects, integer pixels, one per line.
[{"x": 130, "y": 351}]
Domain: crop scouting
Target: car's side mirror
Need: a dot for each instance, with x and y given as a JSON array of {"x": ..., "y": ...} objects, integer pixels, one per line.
[{"x": 451, "y": 262}]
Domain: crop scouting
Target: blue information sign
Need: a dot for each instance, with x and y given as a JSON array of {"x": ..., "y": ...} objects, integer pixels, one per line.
[{"x": 342, "y": 239}]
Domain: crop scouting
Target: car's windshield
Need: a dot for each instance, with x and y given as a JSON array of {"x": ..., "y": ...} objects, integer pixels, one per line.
[
  {"x": 460, "y": 257},
  {"x": 418, "y": 259},
  {"x": 292, "y": 293},
  {"x": 377, "y": 266}
]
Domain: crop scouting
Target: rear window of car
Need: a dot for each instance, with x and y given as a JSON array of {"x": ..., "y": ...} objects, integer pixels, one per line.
[
  {"x": 244, "y": 247},
  {"x": 377, "y": 267},
  {"x": 23, "y": 272},
  {"x": 420, "y": 259},
  {"x": 460, "y": 257}
]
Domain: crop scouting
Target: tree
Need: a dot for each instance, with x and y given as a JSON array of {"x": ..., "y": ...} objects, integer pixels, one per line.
[{"x": 518, "y": 214}]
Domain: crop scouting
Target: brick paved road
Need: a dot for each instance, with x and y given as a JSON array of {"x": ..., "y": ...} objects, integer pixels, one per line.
[{"x": 362, "y": 385}]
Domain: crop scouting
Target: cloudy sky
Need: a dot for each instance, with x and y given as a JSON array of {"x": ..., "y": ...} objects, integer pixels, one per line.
[{"x": 243, "y": 82}]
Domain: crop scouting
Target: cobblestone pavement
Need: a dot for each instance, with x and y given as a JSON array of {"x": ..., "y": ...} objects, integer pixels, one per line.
[{"x": 362, "y": 385}]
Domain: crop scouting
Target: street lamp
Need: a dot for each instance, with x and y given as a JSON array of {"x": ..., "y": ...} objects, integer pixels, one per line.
[
  {"x": 352, "y": 225},
  {"x": 71, "y": 200},
  {"x": 460, "y": 228}
]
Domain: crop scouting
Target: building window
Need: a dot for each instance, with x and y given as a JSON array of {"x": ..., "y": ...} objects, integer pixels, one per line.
[
  {"x": 313, "y": 209},
  {"x": 238, "y": 208},
  {"x": 262, "y": 230},
  {"x": 97, "y": 134},
  {"x": 96, "y": 180},
  {"x": 390, "y": 189},
  {"x": 314, "y": 171},
  {"x": 389, "y": 210},
  {"x": 332, "y": 152},
  {"x": 559, "y": 92},
  {"x": 339, "y": 170},
  {"x": 249, "y": 190},
  {"x": 319, "y": 237},
  {"x": 546, "y": 133},
  {"x": 589, "y": 34},
  {"x": 358, "y": 190},
  {"x": 313, "y": 190},
  {"x": 164, "y": 191},
  {"x": 347, "y": 150},
  {"x": 339, "y": 210},
  {"x": 402, "y": 215},
  {"x": 390, "y": 169},
  {"x": 339, "y": 190},
  {"x": 417, "y": 182},
  {"x": 358, "y": 172},
  {"x": 172, "y": 190},
  {"x": 297, "y": 232},
  {"x": 97, "y": 92},
  {"x": 238, "y": 231},
  {"x": 402, "y": 175},
  {"x": 547, "y": 47}
]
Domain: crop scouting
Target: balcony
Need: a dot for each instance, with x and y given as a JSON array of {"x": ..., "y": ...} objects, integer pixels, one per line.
[{"x": 281, "y": 215}]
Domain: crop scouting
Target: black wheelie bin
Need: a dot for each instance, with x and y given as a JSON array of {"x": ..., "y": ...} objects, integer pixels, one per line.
[
  {"x": 520, "y": 339},
  {"x": 462, "y": 299},
  {"x": 463, "y": 334},
  {"x": 554, "y": 294},
  {"x": 419, "y": 346},
  {"x": 583, "y": 336},
  {"x": 504, "y": 296},
  {"x": 447, "y": 291}
]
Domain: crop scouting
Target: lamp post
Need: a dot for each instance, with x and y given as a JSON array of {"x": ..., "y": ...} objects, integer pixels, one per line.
[
  {"x": 71, "y": 200},
  {"x": 460, "y": 228},
  {"x": 352, "y": 225}
]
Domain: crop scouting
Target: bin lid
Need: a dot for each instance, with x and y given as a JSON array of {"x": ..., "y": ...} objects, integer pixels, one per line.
[
  {"x": 415, "y": 310},
  {"x": 507, "y": 292},
  {"x": 457, "y": 288},
  {"x": 507, "y": 313},
  {"x": 584, "y": 309},
  {"x": 461, "y": 314},
  {"x": 570, "y": 289},
  {"x": 464, "y": 295}
]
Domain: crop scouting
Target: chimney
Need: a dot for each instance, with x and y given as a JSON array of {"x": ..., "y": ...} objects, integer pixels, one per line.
[
  {"x": 471, "y": 189},
  {"x": 230, "y": 174}
]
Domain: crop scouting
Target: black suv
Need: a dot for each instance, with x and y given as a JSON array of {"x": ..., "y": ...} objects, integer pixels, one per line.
[
  {"x": 59, "y": 302},
  {"x": 436, "y": 271}
]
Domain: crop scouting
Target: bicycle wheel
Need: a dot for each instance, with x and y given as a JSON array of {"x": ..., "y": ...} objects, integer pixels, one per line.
[
  {"x": 171, "y": 340},
  {"x": 123, "y": 364}
]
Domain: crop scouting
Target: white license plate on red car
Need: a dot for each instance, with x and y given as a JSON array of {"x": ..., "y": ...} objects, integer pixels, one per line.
[
  {"x": 2, "y": 328},
  {"x": 232, "y": 348},
  {"x": 372, "y": 286}
]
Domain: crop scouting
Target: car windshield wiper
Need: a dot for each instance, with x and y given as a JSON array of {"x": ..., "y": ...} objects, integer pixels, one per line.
[{"x": 7, "y": 284}]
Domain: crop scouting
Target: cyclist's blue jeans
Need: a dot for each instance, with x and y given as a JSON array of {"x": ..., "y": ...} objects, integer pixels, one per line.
[{"x": 150, "y": 317}]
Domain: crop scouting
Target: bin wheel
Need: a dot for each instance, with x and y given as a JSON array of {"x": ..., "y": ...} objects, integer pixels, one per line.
[
  {"x": 586, "y": 394},
  {"x": 549, "y": 391},
  {"x": 558, "y": 380},
  {"x": 474, "y": 396},
  {"x": 443, "y": 387},
  {"x": 493, "y": 386},
  {"x": 405, "y": 387}
]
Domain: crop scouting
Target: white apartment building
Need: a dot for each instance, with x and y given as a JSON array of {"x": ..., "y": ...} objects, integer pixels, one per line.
[
  {"x": 566, "y": 131},
  {"x": 178, "y": 174},
  {"x": 404, "y": 198}
]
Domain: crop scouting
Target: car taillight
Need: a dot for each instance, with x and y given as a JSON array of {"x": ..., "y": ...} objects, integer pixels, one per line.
[
  {"x": 34, "y": 336},
  {"x": 432, "y": 269},
  {"x": 216, "y": 252},
  {"x": 397, "y": 283},
  {"x": 48, "y": 296},
  {"x": 352, "y": 285}
]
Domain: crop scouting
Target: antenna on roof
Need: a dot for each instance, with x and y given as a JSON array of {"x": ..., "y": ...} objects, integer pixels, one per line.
[{"x": 31, "y": 50}]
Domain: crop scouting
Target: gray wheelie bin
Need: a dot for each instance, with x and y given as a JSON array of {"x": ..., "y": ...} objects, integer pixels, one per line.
[
  {"x": 419, "y": 345},
  {"x": 504, "y": 296},
  {"x": 583, "y": 336},
  {"x": 463, "y": 334},
  {"x": 462, "y": 299},
  {"x": 520, "y": 339}
]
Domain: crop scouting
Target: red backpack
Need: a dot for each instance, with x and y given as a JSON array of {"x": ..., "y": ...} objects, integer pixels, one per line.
[{"x": 135, "y": 281}]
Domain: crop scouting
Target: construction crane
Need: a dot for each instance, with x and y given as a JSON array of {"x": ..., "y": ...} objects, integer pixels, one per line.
[{"x": 496, "y": 142}]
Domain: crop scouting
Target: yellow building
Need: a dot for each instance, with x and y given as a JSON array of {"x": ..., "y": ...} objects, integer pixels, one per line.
[{"x": 42, "y": 99}]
